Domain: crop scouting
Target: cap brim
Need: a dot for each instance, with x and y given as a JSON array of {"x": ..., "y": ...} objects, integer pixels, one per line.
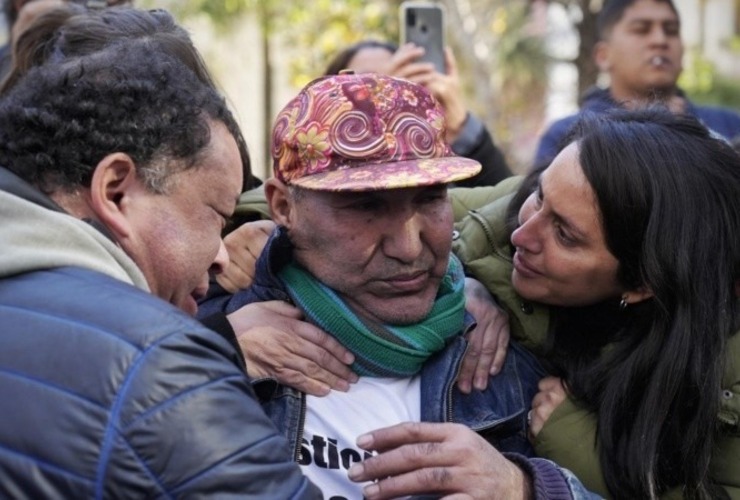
[{"x": 392, "y": 175}]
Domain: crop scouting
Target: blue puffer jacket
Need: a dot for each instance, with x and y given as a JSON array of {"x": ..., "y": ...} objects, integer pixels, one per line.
[
  {"x": 110, "y": 392},
  {"x": 722, "y": 121}
]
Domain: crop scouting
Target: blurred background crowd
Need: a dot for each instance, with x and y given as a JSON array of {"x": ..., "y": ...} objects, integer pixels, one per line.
[{"x": 523, "y": 63}]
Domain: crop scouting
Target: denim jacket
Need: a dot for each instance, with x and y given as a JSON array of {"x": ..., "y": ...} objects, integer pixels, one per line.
[{"x": 499, "y": 413}]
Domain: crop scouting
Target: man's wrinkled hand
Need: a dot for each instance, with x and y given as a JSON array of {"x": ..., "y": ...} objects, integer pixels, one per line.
[
  {"x": 432, "y": 458},
  {"x": 277, "y": 343},
  {"x": 488, "y": 341}
]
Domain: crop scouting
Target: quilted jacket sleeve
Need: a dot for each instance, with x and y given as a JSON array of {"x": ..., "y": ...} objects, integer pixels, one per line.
[
  {"x": 465, "y": 199},
  {"x": 187, "y": 420},
  {"x": 725, "y": 465}
]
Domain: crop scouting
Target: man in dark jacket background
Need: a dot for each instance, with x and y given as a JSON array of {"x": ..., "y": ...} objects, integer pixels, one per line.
[
  {"x": 119, "y": 169},
  {"x": 640, "y": 48}
]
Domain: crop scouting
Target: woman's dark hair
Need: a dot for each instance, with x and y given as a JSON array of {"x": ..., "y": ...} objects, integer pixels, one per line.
[
  {"x": 131, "y": 96},
  {"x": 668, "y": 193},
  {"x": 74, "y": 31},
  {"x": 342, "y": 60}
]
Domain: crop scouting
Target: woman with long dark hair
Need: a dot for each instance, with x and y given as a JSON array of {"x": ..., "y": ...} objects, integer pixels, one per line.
[{"x": 632, "y": 238}]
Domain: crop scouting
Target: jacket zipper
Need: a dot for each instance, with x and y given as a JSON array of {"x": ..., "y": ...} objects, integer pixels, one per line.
[
  {"x": 458, "y": 366},
  {"x": 489, "y": 234},
  {"x": 301, "y": 425}
]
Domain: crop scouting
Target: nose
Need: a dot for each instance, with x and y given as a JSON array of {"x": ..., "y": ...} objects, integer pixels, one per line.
[
  {"x": 221, "y": 260},
  {"x": 527, "y": 235},
  {"x": 403, "y": 237},
  {"x": 658, "y": 36}
]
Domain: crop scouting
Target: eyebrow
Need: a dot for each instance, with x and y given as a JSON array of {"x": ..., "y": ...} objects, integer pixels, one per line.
[
  {"x": 565, "y": 221},
  {"x": 651, "y": 20}
]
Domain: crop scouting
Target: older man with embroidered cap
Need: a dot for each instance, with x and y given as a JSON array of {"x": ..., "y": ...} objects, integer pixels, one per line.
[{"x": 363, "y": 249}]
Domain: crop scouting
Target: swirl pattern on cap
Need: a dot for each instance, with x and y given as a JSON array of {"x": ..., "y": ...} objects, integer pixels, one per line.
[
  {"x": 364, "y": 132},
  {"x": 355, "y": 137},
  {"x": 415, "y": 138}
]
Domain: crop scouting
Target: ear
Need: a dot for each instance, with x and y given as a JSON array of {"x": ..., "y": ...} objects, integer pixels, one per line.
[
  {"x": 637, "y": 295},
  {"x": 113, "y": 182},
  {"x": 602, "y": 56},
  {"x": 282, "y": 207}
]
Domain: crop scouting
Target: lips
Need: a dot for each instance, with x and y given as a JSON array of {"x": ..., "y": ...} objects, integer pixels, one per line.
[
  {"x": 190, "y": 304},
  {"x": 199, "y": 292},
  {"x": 524, "y": 268},
  {"x": 659, "y": 62},
  {"x": 408, "y": 282}
]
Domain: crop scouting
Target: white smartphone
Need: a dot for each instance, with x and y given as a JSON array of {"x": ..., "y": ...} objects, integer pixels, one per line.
[{"x": 422, "y": 23}]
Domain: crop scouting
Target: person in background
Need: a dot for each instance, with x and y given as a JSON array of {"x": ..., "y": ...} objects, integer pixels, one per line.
[
  {"x": 641, "y": 50},
  {"x": 466, "y": 134},
  {"x": 19, "y": 14},
  {"x": 119, "y": 167}
]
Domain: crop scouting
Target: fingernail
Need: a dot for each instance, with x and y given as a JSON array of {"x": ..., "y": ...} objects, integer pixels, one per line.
[
  {"x": 348, "y": 358},
  {"x": 342, "y": 385},
  {"x": 481, "y": 383},
  {"x": 464, "y": 387},
  {"x": 364, "y": 441},
  {"x": 355, "y": 471},
  {"x": 494, "y": 369},
  {"x": 371, "y": 490}
]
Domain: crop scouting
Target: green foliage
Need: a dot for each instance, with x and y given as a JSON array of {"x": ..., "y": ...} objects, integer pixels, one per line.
[
  {"x": 703, "y": 84},
  {"x": 322, "y": 28},
  {"x": 521, "y": 57},
  {"x": 316, "y": 29},
  {"x": 221, "y": 12}
]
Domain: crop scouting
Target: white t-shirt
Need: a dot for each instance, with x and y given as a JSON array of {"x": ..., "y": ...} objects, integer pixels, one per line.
[{"x": 334, "y": 422}]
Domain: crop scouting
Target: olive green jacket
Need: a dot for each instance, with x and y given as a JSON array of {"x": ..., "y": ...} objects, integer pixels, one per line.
[{"x": 481, "y": 240}]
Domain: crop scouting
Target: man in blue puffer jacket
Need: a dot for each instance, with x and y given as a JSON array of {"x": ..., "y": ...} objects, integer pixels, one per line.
[
  {"x": 119, "y": 169},
  {"x": 640, "y": 48}
]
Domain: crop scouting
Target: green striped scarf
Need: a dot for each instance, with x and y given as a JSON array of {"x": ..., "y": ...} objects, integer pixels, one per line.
[{"x": 381, "y": 350}]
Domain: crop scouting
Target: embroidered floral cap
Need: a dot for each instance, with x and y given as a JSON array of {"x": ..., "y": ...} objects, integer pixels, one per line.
[{"x": 364, "y": 132}]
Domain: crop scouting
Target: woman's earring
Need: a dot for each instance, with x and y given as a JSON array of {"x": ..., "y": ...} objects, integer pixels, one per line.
[{"x": 623, "y": 304}]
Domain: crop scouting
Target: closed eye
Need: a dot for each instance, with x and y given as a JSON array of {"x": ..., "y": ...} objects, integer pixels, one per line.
[{"x": 432, "y": 196}]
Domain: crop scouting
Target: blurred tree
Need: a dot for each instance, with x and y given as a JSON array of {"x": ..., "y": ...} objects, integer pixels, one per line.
[
  {"x": 499, "y": 46},
  {"x": 582, "y": 15},
  {"x": 304, "y": 35},
  {"x": 704, "y": 84},
  {"x": 501, "y": 58}
]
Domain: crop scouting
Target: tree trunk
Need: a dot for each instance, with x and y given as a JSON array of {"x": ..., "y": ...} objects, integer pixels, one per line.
[{"x": 588, "y": 72}]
